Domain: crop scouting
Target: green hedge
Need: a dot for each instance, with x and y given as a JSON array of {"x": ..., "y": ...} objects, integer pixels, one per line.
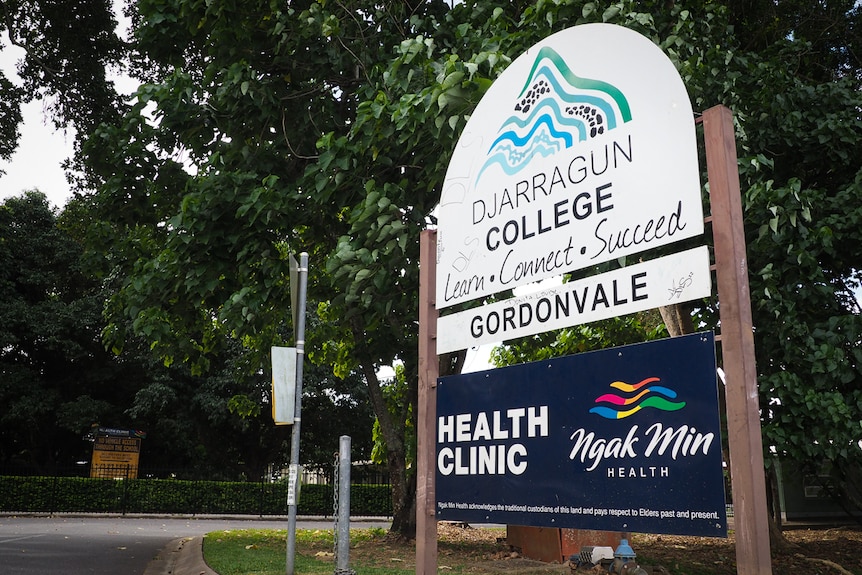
[{"x": 76, "y": 494}]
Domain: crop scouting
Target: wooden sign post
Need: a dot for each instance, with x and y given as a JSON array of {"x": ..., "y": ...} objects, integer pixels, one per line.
[
  {"x": 748, "y": 485},
  {"x": 426, "y": 424}
]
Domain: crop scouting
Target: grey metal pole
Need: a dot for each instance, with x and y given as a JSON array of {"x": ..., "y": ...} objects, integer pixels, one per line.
[
  {"x": 342, "y": 551},
  {"x": 294, "y": 437}
]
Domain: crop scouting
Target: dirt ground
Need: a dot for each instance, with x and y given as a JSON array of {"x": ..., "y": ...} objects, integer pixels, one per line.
[{"x": 813, "y": 551}]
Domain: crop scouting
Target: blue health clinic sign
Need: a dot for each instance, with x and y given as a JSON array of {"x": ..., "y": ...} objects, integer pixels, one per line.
[{"x": 624, "y": 439}]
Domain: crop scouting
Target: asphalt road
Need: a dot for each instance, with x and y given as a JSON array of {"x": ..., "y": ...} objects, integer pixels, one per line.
[{"x": 107, "y": 545}]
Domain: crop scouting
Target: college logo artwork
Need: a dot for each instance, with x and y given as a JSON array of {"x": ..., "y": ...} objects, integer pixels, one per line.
[{"x": 555, "y": 110}]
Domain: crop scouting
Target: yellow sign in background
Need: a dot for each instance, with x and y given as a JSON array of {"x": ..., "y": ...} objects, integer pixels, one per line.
[{"x": 115, "y": 457}]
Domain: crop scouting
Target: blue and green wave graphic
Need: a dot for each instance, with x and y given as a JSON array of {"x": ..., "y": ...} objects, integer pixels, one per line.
[
  {"x": 555, "y": 110},
  {"x": 637, "y": 396}
]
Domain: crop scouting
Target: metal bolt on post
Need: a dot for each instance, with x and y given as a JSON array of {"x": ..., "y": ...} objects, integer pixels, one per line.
[{"x": 342, "y": 509}]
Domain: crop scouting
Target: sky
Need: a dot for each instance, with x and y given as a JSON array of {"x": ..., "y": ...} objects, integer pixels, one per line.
[{"x": 41, "y": 149}]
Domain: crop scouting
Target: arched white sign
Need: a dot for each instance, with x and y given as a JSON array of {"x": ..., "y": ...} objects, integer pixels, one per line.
[{"x": 582, "y": 151}]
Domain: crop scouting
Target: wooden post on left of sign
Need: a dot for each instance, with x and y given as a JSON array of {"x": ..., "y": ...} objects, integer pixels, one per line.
[{"x": 429, "y": 370}]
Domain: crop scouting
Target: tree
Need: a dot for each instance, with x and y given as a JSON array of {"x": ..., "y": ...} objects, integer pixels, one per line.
[
  {"x": 333, "y": 407},
  {"x": 246, "y": 92},
  {"x": 800, "y": 136},
  {"x": 70, "y": 48},
  {"x": 327, "y": 128},
  {"x": 56, "y": 378},
  {"x": 216, "y": 426}
]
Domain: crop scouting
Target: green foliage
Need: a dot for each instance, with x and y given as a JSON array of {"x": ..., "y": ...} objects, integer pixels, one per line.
[
  {"x": 59, "y": 379},
  {"x": 579, "y": 339},
  {"x": 55, "y": 377},
  {"x": 808, "y": 351},
  {"x": 69, "y": 47},
  {"x": 800, "y": 138},
  {"x": 243, "y": 406},
  {"x": 333, "y": 407},
  {"x": 75, "y": 494}
]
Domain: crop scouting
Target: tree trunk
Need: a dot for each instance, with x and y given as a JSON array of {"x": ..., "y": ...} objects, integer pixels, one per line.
[
  {"x": 393, "y": 430},
  {"x": 778, "y": 543},
  {"x": 403, "y": 504},
  {"x": 677, "y": 319},
  {"x": 452, "y": 363}
]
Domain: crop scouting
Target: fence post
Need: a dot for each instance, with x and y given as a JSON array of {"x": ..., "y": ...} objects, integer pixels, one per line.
[
  {"x": 53, "y": 501},
  {"x": 126, "y": 489},
  {"x": 261, "y": 497}
]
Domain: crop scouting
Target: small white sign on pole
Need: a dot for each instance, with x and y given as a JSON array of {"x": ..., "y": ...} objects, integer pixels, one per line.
[
  {"x": 283, "y": 385},
  {"x": 667, "y": 280},
  {"x": 293, "y": 474}
]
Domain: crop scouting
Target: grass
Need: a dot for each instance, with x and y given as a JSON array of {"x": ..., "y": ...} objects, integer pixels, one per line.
[{"x": 263, "y": 552}]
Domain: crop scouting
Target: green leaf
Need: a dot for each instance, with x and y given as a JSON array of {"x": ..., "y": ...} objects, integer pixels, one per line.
[{"x": 610, "y": 13}]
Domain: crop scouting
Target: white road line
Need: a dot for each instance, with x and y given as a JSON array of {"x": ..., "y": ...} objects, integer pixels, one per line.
[{"x": 21, "y": 538}]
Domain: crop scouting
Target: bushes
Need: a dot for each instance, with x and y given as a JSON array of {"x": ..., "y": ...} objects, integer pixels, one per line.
[
  {"x": 370, "y": 500},
  {"x": 172, "y": 496}
]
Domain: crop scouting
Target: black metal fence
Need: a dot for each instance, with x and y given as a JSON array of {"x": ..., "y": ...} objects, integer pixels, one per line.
[{"x": 71, "y": 490}]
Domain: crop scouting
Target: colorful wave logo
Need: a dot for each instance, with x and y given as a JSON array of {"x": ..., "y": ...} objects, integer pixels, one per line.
[
  {"x": 653, "y": 396},
  {"x": 556, "y": 109}
]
